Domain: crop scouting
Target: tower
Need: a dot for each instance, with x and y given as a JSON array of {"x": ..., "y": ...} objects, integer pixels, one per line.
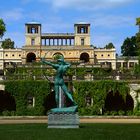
[
  {"x": 82, "y": 34},
  {"x": 32, "y": 34}
]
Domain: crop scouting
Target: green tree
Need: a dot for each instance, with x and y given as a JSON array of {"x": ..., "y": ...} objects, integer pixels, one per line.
[
  {"x": 57, "y": 56},
  {"x": 138, "y": 22},
  {"x": 2, "y": 28},
  {"x": 8, "y": 44},
  {"x": 137, "y": 66},
  {"x": 129, "y": 47},
  {"x": 138, "y": 40},
  {"x": 93, "y": 46},
  {"x": 109, "y": 46}
]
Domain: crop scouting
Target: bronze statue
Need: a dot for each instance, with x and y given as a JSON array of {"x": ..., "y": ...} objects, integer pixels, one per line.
[{"x": 61, "y": 67}]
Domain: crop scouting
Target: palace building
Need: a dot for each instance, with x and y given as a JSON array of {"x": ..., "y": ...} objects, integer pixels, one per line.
[{"x": 74, "y": 47}]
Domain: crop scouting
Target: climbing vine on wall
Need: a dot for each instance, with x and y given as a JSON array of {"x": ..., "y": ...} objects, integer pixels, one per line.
[
  {"x": 21, "y": 89},
  {"x": 97, "y": 91}
]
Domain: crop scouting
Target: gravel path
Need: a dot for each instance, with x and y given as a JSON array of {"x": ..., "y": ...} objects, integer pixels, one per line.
[{"x": 21, "y": 120}]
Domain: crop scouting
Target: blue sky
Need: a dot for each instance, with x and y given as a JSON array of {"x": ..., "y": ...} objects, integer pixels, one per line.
[{"x": 111, "y": 20}]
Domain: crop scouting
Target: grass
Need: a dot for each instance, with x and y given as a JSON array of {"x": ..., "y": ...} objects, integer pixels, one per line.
[{"x": 85, "y": 132}]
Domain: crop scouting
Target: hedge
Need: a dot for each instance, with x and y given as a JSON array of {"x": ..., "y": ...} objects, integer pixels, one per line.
[
  {"x": 21, "y": 89},
  {"x": 97, "y": 90}
]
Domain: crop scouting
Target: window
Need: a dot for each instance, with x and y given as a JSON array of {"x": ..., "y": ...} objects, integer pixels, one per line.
[
  {"x": 32, "y": 41},
  {"x": 108, "y": 55},
  {"x": 32, "y": 30},
  {"x": 102, "y": 63},
  {"x": 19, "y": 55},
  {"x": 118, "y": 65},
  {"x": 125, "y": 64},
  {"x": 108, "y": 63},
  {"x": 82, "y": 29},
  {"x": 6, "y": 55},
  {"x": 131, "y": 64},
  {"x": 13, "y": 55},
  {"x": 88, "y": 100},
  {"x": 102, "y": 55},
  {"x": 30, "y": 101},
  {"x": 82, "y": 41}
]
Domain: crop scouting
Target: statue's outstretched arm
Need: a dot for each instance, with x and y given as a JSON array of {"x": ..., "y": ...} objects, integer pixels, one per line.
[
  {"x": 67, "y": 64},
  {"x": 48, "y": 63}
]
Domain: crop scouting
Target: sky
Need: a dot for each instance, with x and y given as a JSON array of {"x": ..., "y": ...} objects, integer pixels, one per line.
[{"x": 111, "y": 20}]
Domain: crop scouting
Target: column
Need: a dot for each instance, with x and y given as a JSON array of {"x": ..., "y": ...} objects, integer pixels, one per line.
[
  {"x": 49, "y": 42},
  {"x": 62, "y": 42},
  {"x": 70, "y": 42},
  {"x": 53, "y": 42},
  {"x": 66, "y": 41},
  {"x": 45, "y": 42},
  {"x": 57, "y": 42},
  {"x": 121, "y": 64}
]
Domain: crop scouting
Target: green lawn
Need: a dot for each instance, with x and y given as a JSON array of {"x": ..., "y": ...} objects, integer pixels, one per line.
[{"x": 85, "y": 132}]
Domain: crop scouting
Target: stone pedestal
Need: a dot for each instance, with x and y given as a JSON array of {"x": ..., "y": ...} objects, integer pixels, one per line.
[{"x": 63, "y": 120}]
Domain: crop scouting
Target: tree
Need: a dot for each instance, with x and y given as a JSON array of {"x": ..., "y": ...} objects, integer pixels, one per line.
[
  {"x": 93, "y": 46},
  {"x": 2, "y": 28},
  {"x": 57, "y": 56},
  {"x": 109, "y": 46},
  {"x": 138, "y": 40},
  {"x": 138, "y": 22},
  {"x": 7, "y": 44},
  {"x": 137, "y": 66},
  {"x": 129, "y": 47}
]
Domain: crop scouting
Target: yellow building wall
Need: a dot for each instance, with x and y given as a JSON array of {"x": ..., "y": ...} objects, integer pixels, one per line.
[
  {"x": 78, "y": 38},
  {"x": 28, "y": 39},
  {"x": 105, "y": 53},
  {"x": 12, "y": 54}
]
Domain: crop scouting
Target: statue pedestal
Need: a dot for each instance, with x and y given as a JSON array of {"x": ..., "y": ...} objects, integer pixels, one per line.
[{"x": 63, "y": 120}]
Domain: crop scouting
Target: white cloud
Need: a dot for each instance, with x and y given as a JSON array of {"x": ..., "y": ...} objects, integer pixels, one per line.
[
  {"x": 113, "y": 21},
  {"x": 86, "y": 4},
  {"x": 12, "y": 15}
]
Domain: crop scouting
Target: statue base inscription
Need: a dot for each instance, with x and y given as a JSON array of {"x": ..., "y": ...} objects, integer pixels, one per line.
[{"x": 63, "y": 120}]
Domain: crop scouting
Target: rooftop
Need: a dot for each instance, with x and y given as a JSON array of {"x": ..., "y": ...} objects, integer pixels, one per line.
[
  {"x": 33, "y": 22},
  {"x": 82, "y": 23}
]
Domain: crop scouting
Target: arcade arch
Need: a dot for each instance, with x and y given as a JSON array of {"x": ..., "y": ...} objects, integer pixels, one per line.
[
  {"x": 115, "y": 102},
  {"x": 57, "y": 55},
  {"x": 84, "y": 57},
  {"x": 31, "y": 57},
  {"x": 7, "y": 102}
]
